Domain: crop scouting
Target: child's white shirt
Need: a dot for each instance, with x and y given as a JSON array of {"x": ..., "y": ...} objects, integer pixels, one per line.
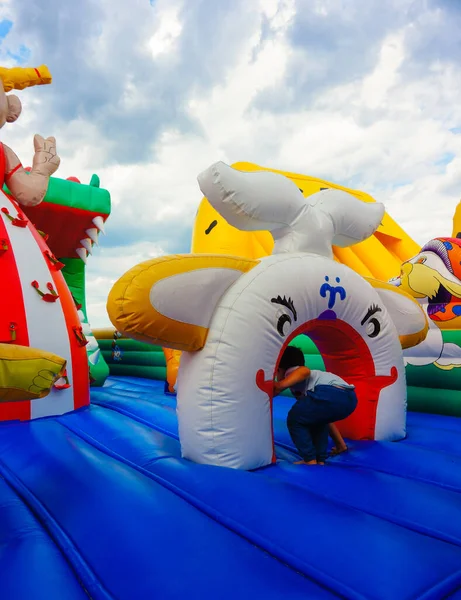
[{"x": 316, "y": 378}]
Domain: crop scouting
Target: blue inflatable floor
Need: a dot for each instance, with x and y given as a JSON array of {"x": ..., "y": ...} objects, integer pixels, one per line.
[{"x": 99, "y": 504}]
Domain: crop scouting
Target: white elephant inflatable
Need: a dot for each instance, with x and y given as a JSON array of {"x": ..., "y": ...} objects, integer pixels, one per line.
[{"x": 233, "y": 317}]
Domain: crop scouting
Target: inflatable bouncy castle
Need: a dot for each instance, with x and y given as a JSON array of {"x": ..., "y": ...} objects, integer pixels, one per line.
[
  {"x": 43, "y": 355},
  {"x": 359, "y": 326},
  {"x": 143, "y": 493},
  {"x": 56, "y": 380}
]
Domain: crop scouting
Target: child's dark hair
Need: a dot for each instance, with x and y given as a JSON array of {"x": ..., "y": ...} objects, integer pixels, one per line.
[{"x": 292, "y": 357}]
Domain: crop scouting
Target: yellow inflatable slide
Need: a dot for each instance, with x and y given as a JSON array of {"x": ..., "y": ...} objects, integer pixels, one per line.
[{"x": 379, "y": 257}]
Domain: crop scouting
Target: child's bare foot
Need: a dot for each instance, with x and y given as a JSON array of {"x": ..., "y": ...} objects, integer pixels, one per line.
[
  {"x": 339, "y": 450},
  {"x": 303, "y": 462}
]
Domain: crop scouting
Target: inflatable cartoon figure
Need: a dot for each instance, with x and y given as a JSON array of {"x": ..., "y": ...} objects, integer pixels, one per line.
[
  {"x": 39, "y": 325},
  {"x": 433, "y": 277},
  {"x": 233, "y": 317},
  {"x": 28, "y": 188}
]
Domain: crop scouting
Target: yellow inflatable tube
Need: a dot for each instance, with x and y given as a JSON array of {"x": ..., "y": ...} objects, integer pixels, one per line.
[{"x": 19, "y": 78}]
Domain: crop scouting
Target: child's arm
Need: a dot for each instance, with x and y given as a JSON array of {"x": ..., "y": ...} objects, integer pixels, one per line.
[
  {"x": 337, "y": 439},
  {"x": 300, "y": 374}
]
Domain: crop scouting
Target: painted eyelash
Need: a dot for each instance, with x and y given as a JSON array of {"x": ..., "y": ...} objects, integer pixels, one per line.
[
  {"x": 287, "y": 303},
  {"x": 374, "y": 308}
]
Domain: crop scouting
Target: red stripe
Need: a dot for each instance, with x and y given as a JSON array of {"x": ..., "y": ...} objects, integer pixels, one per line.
[
  {"x": 38, "y": 73},
  {"x": 13, "y": 171},
  {"x": 12, "y": 310},
  {"x": 79, "y": 378}
]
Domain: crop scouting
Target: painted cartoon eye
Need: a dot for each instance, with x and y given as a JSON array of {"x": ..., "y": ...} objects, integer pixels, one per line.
[
  {"x": 371, "y": 323},
  {"x": 283, "y": 324},
  {"x": 284, "y": 320},
  {"x": 373, "y": 328},
  {"x": 421, "y": 260}
]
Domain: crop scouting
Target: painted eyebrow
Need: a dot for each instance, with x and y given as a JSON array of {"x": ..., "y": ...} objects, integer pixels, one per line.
[
  {"x": 211, "y": 226},
  {"x": 370, "y": 312},
  {"x": 287, "y": 303}
]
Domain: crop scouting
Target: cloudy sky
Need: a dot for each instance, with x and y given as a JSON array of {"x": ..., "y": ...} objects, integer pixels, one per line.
[{"x": 365, "y": 93}]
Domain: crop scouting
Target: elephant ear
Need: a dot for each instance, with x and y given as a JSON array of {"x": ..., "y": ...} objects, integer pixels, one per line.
[
  {"x": 254, "y": 201},
  {"x": 405, "y": 312},
  {"x": 14, "y": 108},
  {"x": 169, "y": 301}
]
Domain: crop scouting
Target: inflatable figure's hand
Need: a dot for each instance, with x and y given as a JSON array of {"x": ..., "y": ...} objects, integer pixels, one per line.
[
  {"x": 45, "y": 161},
  {"x": 42, "y": 382},
  {"x": 27, "y": 373}
]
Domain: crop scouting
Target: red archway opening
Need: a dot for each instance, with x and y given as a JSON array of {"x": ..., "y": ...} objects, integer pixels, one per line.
[{"x": 345, "y": 353}]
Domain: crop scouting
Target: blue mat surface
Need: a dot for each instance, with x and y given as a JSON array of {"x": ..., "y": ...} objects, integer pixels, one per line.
[{"x": 99, "y": 504}]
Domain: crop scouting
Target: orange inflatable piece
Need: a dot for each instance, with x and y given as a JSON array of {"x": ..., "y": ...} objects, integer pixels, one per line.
[{"x": 172, "y": 358}]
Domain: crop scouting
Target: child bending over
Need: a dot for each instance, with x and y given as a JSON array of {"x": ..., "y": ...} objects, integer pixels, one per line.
[{"x": 322, "y": 398}]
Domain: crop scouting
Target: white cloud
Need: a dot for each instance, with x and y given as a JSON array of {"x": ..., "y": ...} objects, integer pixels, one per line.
[
  {"x": 386, "y": 131},
  {"x": 376, "y": 86},
  {"x": 168, "y": 29}
]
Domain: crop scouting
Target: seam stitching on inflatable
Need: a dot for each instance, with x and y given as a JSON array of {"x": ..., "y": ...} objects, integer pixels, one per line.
[
  {"x": 85, "y": 575},
  {"x": 222, "y": 520},
  {"x": 403, "y": 523},
  {"x": 134, "y": 417},
  {"x": 428, "y": 594},
  {"x": 352, "y": 465}
]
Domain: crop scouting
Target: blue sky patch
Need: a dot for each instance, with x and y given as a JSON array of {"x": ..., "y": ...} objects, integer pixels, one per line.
[
  {"x": 5, "y": 28},
  {"x": 445, "y": 159},
  {"x": 20, "y": 57}
]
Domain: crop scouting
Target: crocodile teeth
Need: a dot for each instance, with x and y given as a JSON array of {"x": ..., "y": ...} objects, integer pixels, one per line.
[
  {"x": 86, "y": 329},
  {"x": 93, "y": 235},
  {"x": 82, "y": 253},
  {"x": 93, "y": 359},
  {"x": 92, "y": 343},
  {"x": 99, "y": 223},
  {"x": 86, "y": 243}
]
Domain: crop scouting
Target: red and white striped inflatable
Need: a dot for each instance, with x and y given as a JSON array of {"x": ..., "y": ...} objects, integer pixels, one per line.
[{"x": 38, "y": 310}]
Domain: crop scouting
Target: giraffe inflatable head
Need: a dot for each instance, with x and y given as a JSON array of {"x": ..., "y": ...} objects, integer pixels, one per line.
[{"x": 233, "y": 317}]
